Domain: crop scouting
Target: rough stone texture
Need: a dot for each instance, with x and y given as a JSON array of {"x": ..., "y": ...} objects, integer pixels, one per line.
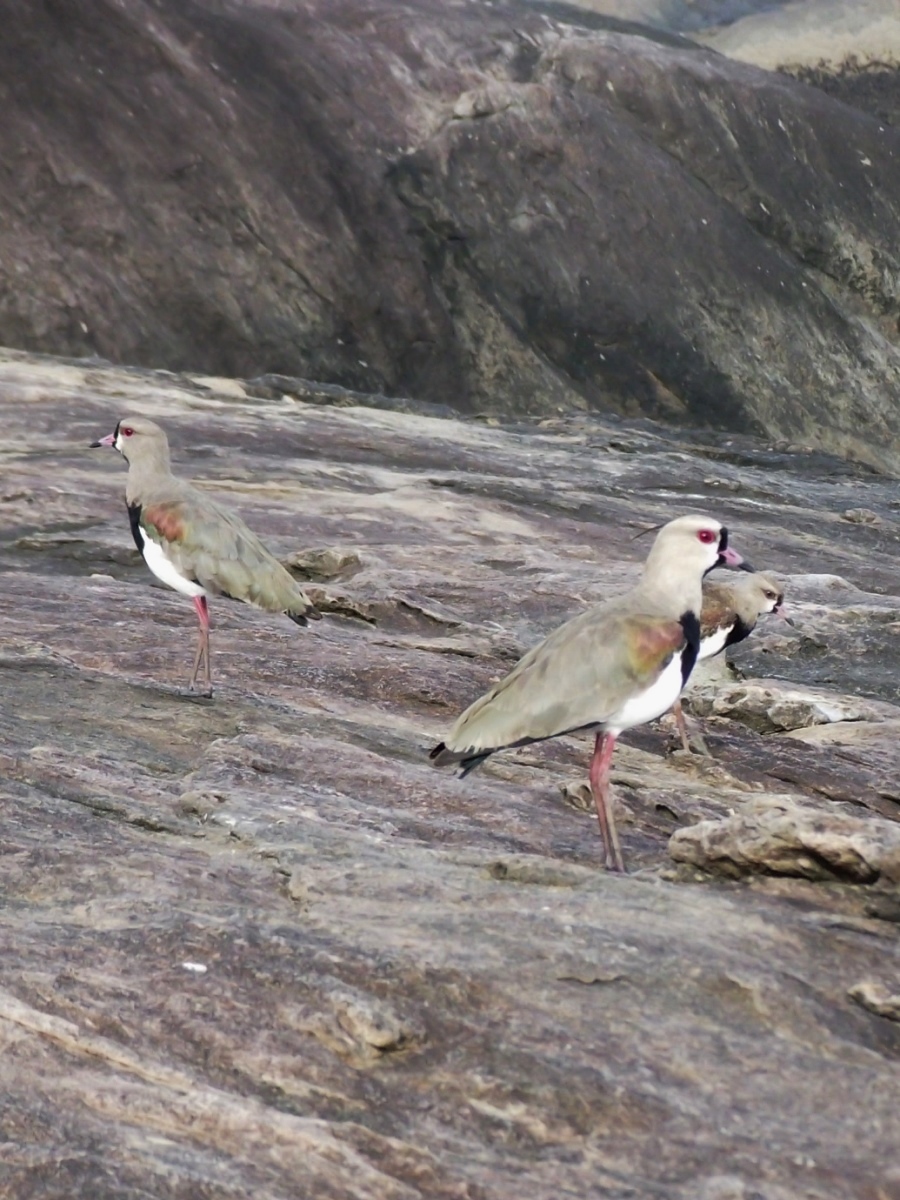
[
  {"x": 777, "y": 707},
  {"x": 875, "y": 997},
  {"x": 681, "y": 16},
  {"x": 825, "y": 33},
  {"x": 786, "y": 838},
  {"x": 849, "y": 49},
  {"x": 516, "y": 208},
  {"x": 258, "y": 947}
]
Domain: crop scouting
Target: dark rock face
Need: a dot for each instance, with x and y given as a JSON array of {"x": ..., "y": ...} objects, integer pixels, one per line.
[
  {"x": 872, "y": 88},
  {"x": 495, "y": 207},
  {"x": 259, "y": 947}
]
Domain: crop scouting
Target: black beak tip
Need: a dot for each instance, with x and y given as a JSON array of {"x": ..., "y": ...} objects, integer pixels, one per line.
[
  {"x": 747, "y": 566},
  {"x": 95, "y": 445}
]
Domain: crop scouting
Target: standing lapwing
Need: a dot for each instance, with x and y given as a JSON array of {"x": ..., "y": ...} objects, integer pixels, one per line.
[
  {"x": 620, "y": 664},
  {"x": 194, "y": 544},
  {"x": 729, "y": 614}
]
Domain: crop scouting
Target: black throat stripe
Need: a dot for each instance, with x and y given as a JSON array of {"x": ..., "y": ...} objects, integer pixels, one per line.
[
  {"x": 738, "y": 632},
  {"x": 134, "y": 516},
  {"x": 690, "y": 623}
]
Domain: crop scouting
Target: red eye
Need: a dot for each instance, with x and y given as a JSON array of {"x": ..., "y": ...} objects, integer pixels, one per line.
[
  {"x": 127, "y": 431},
  {"x": 707, "y": 536}
]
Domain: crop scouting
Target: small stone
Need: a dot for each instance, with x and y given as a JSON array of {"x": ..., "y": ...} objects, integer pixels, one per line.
[
  {"x": 371, "y": 1022},
  {"x": 327, "y": 563},
  {"x": 725, "y": 485},
  {"x": 298, "y": 889},
  {"x": 861, "y": 516},
  {"x": 198, "y": 804},
  {"x": 577, "y": 795},
  {"x": 771, "y": 706},
  {"x": 876, "y": 998}
]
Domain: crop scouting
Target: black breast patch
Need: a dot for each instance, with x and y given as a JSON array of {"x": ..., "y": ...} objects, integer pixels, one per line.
[
  {"x": 690, "y": 623},
  {"x": 738, "y": 632},
  {"x": 134, "y": 516}
]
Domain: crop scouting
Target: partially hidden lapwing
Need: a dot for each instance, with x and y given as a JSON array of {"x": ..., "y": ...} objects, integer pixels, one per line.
[{"x": 729, "y": 615}]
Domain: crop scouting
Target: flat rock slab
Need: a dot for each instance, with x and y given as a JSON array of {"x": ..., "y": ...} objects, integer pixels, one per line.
[{"x": 258, "y": 946}]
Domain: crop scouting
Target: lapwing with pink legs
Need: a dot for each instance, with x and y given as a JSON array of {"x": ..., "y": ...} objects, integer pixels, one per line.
[
  {"x": 729, "y": 615},
  {"x": 619, "y": 664},
  {"x": 194, "y": 544}
]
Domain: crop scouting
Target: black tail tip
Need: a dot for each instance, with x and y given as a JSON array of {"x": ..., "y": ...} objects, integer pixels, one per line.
[
  {"x": 466, "y": 760},
  {"x": 304, "y": 618}
]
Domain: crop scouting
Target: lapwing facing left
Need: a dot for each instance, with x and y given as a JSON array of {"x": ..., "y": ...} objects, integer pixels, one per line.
[
  {"x": 729, "y": 615},
  {"x": 619, "y": 664},
  {"x": 194, "y": 544}
]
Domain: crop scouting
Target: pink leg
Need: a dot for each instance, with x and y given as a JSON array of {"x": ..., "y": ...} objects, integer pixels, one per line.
[
  {"x": 600, "y": 767},
  {"x": 202, "y": 655}
]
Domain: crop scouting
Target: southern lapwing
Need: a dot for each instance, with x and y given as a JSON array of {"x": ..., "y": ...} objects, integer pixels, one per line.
[
  {"x": 618, "y": 665},
  {"x": 729, "y": 614},
  {"x": 194, "y": 544}
]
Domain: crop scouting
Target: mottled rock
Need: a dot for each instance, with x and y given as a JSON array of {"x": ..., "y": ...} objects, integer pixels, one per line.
[
  {"x": 259, "y": 947},
  {"x": 812, "y": 33},
  {"x": 772, "y": 706},
  {"x": 328, "y": 563},
  {"x": 506, "y": 208},
  {"x": 860, "y": 516},
  {"x": 876, "y": 998},
  {"x": 785, "y": 838}
]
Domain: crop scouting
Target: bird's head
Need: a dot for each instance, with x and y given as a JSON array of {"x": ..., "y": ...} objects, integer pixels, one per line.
[
  {"x": 136, "y": 439},
  {"x": 693, "y": 545}
]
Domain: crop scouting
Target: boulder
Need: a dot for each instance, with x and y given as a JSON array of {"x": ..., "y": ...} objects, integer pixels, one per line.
[
  {"x": 505, "y": 208},
  {"x": 781, "y": 837}
]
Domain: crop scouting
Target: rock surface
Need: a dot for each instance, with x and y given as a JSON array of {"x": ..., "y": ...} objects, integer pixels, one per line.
[
  {"x": 813, "y": 33},
  {"x": 517, "y": 208},
  {"x": 258, "y": 947},
  {"x": 784, "y": 838}
]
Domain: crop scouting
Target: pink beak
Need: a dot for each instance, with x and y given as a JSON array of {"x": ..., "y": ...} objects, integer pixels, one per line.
[
  {"x": 109, "y": 440},
  {"x": 730, "y": 558}
]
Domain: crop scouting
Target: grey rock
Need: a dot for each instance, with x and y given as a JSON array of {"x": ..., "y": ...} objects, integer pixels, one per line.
[
  {"x": 772, "y": 706},
  {"x": 861, "y": 516},
  {"x": 259, "y": 947},
  {"x": 328, "y": 563},
  {"x": 812, "y": 33},
  {"x": 876, "y": 998},
  {"x": 785, "y": 838},
  {"x": 511, "y": 208}
]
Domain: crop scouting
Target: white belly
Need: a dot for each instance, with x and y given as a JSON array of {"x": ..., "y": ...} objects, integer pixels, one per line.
[
  {"x": 714, "y": 643},
  {"x": 652, "y": 702},
  {"x": 162, "y": 568}
]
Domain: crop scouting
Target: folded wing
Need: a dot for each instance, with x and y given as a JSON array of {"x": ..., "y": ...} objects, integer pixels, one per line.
[
  {"x": 216, "y": 549},
  {"x": 581, "y": 675}
]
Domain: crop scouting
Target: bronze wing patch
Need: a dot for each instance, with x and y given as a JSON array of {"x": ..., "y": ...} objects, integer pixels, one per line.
[{"x": 164, "y": 522}]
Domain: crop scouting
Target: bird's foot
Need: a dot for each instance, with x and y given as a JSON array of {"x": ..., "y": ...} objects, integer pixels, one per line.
[
  {"x": 692, "y": 744},
  {"x": 699, "y": 746}
]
